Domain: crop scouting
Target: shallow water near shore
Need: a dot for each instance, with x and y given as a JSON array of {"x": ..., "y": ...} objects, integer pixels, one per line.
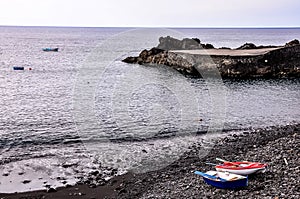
[{"x": 37, "y": 127}]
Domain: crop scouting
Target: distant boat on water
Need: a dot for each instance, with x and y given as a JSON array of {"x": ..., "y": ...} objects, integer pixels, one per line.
[
  {"x": 50, "y": 49},
  {"x": 18, "y": 68}
]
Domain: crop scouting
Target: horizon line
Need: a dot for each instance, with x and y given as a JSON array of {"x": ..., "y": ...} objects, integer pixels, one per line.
[{"x": 171, "y": 27}]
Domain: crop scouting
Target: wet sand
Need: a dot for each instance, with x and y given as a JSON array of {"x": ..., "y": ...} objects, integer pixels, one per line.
[
  {"x": 109, "y": 190},
  {"x": 277, "y": 146}
]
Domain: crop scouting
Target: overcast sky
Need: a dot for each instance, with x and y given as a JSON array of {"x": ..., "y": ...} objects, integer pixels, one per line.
[{"x": 151, "y": 13}]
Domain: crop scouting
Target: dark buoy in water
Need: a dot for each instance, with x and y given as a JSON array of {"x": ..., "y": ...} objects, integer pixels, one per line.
[{"x": 29, "y": 68}]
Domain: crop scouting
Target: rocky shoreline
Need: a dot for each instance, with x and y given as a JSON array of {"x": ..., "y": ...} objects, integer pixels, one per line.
[
  {"x": 273, "y": 146},
  {"x": 277, "y": 146},
  {"x": 189, "y": 56}
]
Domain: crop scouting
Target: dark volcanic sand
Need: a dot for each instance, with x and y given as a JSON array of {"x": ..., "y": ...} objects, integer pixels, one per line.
[{"x": 272, "y": 146}]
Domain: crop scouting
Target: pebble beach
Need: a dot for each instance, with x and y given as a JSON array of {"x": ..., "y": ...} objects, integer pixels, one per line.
[{"x": 276, "y": 146}]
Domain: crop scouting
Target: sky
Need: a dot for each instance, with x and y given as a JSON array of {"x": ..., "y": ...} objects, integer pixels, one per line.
[{"x": 153, "y": 13}]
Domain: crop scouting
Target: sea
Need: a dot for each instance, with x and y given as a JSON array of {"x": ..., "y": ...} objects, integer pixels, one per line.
[{"x": 82, "y": 109}]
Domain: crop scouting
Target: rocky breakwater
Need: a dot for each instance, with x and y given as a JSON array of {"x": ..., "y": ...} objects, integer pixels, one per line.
[{"x": 189, "y": 56}]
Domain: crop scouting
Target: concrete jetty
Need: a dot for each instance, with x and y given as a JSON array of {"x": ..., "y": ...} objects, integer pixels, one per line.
[
  {"x": 248, "y": 61},
  {"x": 227, "y": 52}
]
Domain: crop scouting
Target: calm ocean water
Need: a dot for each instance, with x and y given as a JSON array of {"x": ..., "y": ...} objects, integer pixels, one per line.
[{"x": 38, "y": 133}]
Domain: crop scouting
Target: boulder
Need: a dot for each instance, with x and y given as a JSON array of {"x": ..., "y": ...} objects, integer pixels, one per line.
[
  {"x": 247, "y": 46},
  {"x": 207, "y": 46},
  {"x": 130, "y": 60},
  {"x": 51, "y": 190},
  {"x": 292, "y": 43},
  {"x": 197, "y": 40},
  {"x": 170, "y": 43},
  {"x": 155, "y": 51}
]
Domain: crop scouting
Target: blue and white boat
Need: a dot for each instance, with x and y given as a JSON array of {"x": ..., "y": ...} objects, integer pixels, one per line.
[
  {"x": 50, "y": 49},
  {"x": 224, "y": 180}
]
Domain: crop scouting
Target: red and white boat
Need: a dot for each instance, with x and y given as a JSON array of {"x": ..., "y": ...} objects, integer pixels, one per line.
[{"x": 241, "y": 168}]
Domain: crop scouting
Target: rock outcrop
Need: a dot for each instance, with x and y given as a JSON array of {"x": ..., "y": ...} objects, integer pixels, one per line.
[
  {"x": 248, "y": 46},
  {"x": 170, "y": 43},
  {"x": 292, "y": 43},
  {"x": 271, "y": 62},
  {"x": 280, "y": 63},
  {"x": 162, "y": 57}
]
